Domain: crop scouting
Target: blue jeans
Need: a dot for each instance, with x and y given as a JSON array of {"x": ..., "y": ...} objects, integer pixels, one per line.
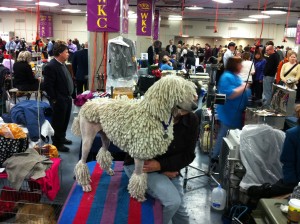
[
  {"x": 267, "y": 90},
  {"x": 218, "y": 146},
  {"x": 169, "y": 192}
]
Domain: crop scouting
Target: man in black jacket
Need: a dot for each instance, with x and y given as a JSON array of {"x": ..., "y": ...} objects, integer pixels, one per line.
[
  {"x": 164, "y": 181},
  {"x": 59, "y": 87},
  {"x": 269, "y": 74},
  {"x": 171, "y": 48},
  {"x": 81, "y": 68}
]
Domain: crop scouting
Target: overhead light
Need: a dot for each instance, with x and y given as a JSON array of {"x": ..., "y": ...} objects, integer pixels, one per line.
[
  {"x": 249, "y": 20},
  {"x": 259, "y": 16},
  {"x": 49, "y": 4},
  {"x": 223, "y": 1},
  {"x": 130, "y": 12},
  {"x": 175, "y": 17},
  {"x": 274, "y": 12},
  {"x": 194, "y": 8},
  {"x": 132, "y": 16},
  {"x": 71, "y": 10},
  {"x": 24, "y": 0},
  {"x": 8, "y": 9},
  {"x": 184, "y": 35},
  {"x": 280, "y": 7}
]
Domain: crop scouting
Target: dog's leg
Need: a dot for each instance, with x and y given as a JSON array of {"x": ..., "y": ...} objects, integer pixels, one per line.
[
  {"x": 104, "y": 157},
  {"x": 88, "y": 132},
  {"x": 138, "y": 182}
]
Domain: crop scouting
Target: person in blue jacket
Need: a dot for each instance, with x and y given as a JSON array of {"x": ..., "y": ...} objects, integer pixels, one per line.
[
  {"x": 237, "y": 93},
  {"x": 290, "y": 159},
  {"x": 166, "y": 64},
  {"x": 259, "y": 63}
]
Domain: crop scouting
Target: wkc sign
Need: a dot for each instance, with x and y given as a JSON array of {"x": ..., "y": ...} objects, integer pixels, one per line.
[
  {"x": 103, "y": 15},
  {"x": 144, "y": 20}
]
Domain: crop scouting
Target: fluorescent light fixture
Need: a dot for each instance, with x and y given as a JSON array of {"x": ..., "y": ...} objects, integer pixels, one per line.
[
  {"x": 274, "y": 12},
  {"x": 194, "y": 8},
  {"x": 175, "y": 16},
  {"x": 249, "y": 20},
  {"x": 280, "y": 7},
  {"x": 24, "y": 0},
  {"x": 223, "y": 1},
  {"x": 184, "y": 35},
  {"x": 174, "y": 19},
  {"x": 132, "y": 16},
  {"x": 259, "y": 16},
  {"x": 130, "y": 12},
  {"x": 49, "y": 4},
  {"x": 8, "y": 9},
  {"x": 71, "y": 10}
]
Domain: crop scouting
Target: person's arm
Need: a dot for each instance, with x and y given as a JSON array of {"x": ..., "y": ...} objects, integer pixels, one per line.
[
  {"x": 298, "y": 72},
  {"x": 282, "y": 73},
  {"x": 49, "y": 82},
  {"x": 74, "y": 63},
  {"x": 289, "y": 159}
]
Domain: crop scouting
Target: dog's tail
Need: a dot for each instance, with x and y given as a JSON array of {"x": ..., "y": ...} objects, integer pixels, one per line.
[{"x": 76, "y": 126}]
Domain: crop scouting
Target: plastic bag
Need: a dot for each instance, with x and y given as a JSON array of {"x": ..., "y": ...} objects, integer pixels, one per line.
[
  {"x": 12, "y": 131},
  {"x": 260, "y": 150},
  {"x": 5, "y": 131}
]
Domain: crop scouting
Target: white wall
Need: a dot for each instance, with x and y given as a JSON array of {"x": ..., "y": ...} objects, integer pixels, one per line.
[
  {"x": 27, "y": 29},
  {"x": 244, "y": 34}
]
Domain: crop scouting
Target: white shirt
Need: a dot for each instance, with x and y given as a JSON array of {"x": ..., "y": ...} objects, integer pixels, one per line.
[
  {"x": 228, "y": 54},
  {"x": 245, "y": 71}
]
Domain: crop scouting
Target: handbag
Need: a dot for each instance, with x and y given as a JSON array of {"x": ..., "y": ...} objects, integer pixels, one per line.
[{"x": 288, "y": 72}]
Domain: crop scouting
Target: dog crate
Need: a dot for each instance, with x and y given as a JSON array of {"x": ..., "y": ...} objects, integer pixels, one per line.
[{"x": 29, "y": 204}]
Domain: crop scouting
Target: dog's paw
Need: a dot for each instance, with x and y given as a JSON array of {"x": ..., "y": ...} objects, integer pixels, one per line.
[{"x": 87, "y": 188}]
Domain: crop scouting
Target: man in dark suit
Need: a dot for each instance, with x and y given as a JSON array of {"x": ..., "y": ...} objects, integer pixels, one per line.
[
  {"x": 171, "y": 48},
  {"x": 81, "y": 68},
  {"x": 59, "y": 87}
]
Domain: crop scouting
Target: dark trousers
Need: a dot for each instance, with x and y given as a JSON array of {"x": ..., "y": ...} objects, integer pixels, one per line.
[
  {"x": 80, "y": 84},
  {"x": 60, "y": 119},
  {"x": 257, "y": 89}
]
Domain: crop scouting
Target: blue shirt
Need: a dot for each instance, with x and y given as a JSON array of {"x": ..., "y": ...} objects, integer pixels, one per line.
[
  {"x": 166, "y": 67},
  {"x": 49, "y": 46},
  {"x": 11, "y": 45},
  {"x": 231, "y": 112}
]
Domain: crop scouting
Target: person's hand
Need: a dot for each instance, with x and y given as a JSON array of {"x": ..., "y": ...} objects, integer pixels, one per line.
[
  {"x": 283, "y": 80},
  {"x": 171, "y": 175},
  {"x": 40, "y": 79},
  {"x": 151, "y": 166},
  {"x": 260, "y": 81}
]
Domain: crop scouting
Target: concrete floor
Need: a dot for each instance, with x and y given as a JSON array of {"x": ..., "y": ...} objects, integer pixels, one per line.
[{"x": 197, "y": 195}]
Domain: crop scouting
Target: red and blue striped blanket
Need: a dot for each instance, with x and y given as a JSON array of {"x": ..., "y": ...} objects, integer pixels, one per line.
[{"x": 109, "y": 202}]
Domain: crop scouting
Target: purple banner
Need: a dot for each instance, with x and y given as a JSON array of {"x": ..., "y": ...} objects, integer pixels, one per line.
[
  {"x": 125, "y": 16},
  {"x": 144, "y": 20},
  {"x": 298, "y": 32},
  {"x": 46, "y": 26},
  {"x": 156, "y": 25},
  {"x": 103, "y": 15}
]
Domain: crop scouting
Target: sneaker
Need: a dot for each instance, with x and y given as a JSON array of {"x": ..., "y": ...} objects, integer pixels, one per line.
[
  {"x": 67, "y": 142},
  {"x": 63, "y": 148}
]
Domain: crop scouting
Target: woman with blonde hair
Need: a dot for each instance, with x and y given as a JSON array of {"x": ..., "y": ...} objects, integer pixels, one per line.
[
  {"x": 291, "y": 69},
  {"x": 24, "y": 79}
]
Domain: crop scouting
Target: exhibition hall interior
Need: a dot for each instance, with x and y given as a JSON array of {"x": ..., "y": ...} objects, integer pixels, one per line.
[{"x": 150, "y": 111}]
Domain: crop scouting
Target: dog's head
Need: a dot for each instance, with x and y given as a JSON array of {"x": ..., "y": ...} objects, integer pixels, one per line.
[{"x": 171, "y": 92}]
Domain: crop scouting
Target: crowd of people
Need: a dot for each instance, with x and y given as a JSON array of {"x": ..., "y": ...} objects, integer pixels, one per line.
[
  {"x": 15, "y": 45},
  {"x": 261, "y": 64}
]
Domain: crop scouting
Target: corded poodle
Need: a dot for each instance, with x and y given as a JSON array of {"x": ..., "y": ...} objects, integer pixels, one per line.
[{"x": 142, "y": 128}]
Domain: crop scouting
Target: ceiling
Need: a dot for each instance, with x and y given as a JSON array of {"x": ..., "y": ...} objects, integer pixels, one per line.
[{"x": 227, "y": 12}]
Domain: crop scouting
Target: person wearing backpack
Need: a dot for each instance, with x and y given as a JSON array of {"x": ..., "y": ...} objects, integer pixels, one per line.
[
  {"x": 291, "y": 69},
  {"x": 281, "y": 63}
]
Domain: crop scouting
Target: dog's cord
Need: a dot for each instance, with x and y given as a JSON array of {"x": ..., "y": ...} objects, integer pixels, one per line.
[{"x": 38, "y": 111}]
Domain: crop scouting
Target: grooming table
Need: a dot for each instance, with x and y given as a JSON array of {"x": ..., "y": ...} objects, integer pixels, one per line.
[{"x": 108, "y": 202}]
